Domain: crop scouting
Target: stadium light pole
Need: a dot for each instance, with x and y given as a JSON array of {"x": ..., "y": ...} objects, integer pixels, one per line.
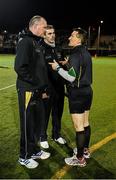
[{"x": 98, "y": 38}]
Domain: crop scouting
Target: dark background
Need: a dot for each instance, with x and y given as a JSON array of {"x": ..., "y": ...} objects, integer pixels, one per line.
[{"x": 15, "y": 14}]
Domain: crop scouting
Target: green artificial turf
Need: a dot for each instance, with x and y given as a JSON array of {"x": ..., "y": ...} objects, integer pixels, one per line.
[{"x": 102, "y": 119}]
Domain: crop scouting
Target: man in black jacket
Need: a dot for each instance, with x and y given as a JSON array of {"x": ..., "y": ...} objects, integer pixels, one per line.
[
  {"x": 55, "y": 103},
  {"x": 32, "y": 83},
  {"x": 79, "y": 80}
]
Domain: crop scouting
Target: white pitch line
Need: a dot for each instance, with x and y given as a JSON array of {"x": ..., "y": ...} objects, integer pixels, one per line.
[{"x": 7, "y": 87}]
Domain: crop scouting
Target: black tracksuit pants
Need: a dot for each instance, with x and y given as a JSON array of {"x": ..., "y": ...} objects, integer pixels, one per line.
[
  {"x": 53, "y": 105},
  {"x": 32, "y": 113}
]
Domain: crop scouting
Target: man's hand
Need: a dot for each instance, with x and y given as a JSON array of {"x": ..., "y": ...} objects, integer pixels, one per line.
[
  {"x": 65, "y": 61},
  {"x": 45, "y": 96},
  {"x": 54, "y": 65}
]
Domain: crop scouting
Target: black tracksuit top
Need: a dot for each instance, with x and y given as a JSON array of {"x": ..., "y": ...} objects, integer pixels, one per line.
[
  {"x": 30, "y": 65},
  {"x": 80, "y": 59},
  {"x": 50, "y": 54}
]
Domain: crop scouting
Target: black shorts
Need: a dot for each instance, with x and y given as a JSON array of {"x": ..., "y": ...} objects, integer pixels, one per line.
[{"x": 80, "y": 100}]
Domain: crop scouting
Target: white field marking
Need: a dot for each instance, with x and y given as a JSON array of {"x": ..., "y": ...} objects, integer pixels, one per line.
[{"x": 7, "y": 87}]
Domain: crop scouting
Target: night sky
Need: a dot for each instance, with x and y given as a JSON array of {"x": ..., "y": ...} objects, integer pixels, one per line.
[{"x": 67, "y": 14}]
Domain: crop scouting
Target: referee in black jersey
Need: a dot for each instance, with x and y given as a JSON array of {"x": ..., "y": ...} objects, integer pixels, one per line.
[{"x": 79, "y": 79}]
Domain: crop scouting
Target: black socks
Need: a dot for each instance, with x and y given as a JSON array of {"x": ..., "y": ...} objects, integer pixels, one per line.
[
  {"x": 87, "y": 136},
  {"x": 80, "y": 141}
]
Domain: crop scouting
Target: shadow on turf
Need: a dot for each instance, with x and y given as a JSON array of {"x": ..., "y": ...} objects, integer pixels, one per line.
[
  {"x": 4, "y": 67},
  {"x": 47, "y": 167},
  {"x": 95, "y": 170},
  {"x": 66, "y": 148}
]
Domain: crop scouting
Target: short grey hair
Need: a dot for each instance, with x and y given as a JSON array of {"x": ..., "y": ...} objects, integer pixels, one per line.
[{"x": 35, "y": 20}]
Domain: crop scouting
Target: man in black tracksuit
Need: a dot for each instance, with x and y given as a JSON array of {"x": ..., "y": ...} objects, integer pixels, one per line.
[
  {"x": 79, "y": 80},
  {"x": 32, "y": 83},
  {"x": 55, "y": 103}
]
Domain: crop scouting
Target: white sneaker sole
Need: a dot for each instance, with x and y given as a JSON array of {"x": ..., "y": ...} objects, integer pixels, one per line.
[
  {"x": 79, "y": 165},
  {"x": 29, "y": 167}
]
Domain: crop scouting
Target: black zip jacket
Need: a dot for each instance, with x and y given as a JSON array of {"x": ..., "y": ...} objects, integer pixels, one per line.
[
  {"x": 50, "y": 54},
  {"x": 30, "y": 65},
  {"x": 80, "y": 60}
]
